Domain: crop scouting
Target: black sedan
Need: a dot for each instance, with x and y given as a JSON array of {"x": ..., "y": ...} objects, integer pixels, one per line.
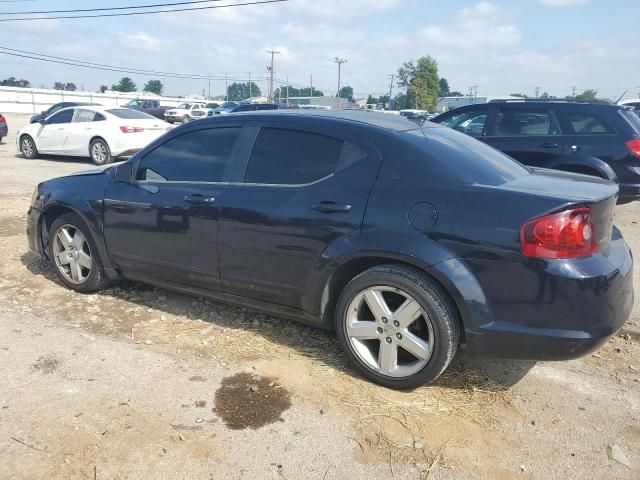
[
  {"x": 55, "y": 107},
  {"x": 409, "y": 241}
]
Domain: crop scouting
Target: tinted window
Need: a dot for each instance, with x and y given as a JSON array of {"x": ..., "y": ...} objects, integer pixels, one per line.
[
  {"x": 83, "y": 115},
  {"x": 129, "y": 114},
  {"x": 578, "y": 123},
  {"x": 200, "y": 156},
  {"x": 267, "y": 107},
  {"x": 633, "y": 118},
  {"x": 99, "y": 117},
  {"x": 64, "y": 116},
  {"x": 523, "y": 122},
  {"x": 244, "y": 108},
  {"x": 470, "y": 122},
  {"x": 288, "y": 157}
]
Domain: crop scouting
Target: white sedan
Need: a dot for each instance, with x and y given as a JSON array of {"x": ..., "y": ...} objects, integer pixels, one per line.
[{"x": 102, "y": 133}]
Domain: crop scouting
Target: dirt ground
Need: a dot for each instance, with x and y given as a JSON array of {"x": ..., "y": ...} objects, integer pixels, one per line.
[{"x": 141, "y": 383}]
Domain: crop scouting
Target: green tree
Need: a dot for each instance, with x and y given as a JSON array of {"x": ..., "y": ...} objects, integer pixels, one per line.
[
  {"x": 281, "y": 92},
  {"x": 154, "y": 86},
  {"x": 12, "y": 82},
  {"x": 519, "y": 95},
  {"x": 103, "y": 88},
  {"x": 124, "y": 85},
  {"x": 444, "y": 87},
  {"x": 422, "y": 83},
  {"x": 587, "y": 96},
  {"x": 456, "y": 94},
  {"x": 346, "y": 92},
  {"x": 241, "y": 91},
  {"x": 70, "y": 87},
  {"x": 372, "y": 100}
]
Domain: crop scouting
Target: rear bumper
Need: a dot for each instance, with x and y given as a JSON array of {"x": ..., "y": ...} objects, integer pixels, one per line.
[{"x": 553, "y": 310}]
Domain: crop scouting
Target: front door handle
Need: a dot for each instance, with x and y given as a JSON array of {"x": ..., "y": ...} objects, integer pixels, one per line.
[
  {"x": 198, "y": 199},
  {"x": 331, "y": 207},
  {"x": 550, "y": 145}
]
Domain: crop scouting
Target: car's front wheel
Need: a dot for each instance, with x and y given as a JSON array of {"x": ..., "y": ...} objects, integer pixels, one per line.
[
  {"x": 28, "y": 147},
  {"x": 99, "y": 151},
  {"x": 397, "y": 326},
  {"x": 75, "y": 255}
]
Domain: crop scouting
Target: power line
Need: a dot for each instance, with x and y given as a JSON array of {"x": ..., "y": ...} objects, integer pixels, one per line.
[
  {"x": 126, "y": 14},
  {"x": 97, "y": 66},
  {"x": 102, "y": 9}
]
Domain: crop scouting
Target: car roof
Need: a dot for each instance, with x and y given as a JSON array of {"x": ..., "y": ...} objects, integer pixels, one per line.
[
  {"x": 532, "y": 104},
  {"x": 393, "y": 123}
]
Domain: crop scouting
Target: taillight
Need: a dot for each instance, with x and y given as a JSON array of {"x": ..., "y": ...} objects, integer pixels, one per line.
[
  {"x": 560, "y": 235},
  {"x": 2, "y": 120},
  {"x": 131, "y": 129},
  {"x": 634, "y": 147}
]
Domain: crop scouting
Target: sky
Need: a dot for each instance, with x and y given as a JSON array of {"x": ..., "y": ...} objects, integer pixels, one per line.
[{"x": 500, "y": 46}]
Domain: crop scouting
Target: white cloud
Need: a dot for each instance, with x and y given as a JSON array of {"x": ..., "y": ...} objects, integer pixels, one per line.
[
  {"x": 321, "y": 34},
  {"x": 140, "y": 40},
  {"x": 562, "y": 3}
]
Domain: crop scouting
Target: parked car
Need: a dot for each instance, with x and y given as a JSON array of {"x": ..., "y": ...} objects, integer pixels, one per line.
[
  {"x": 595, "y": 139},
  {"x": 205, "y": 111},
  {"x": 59, "y": 106},
  {"x": 410, "y": 242},
  {"x": 4, "y": 130},
  {"x": 182, "y": 113},
  {"x": 253, "y": 107},
  {"x": 150, "y": 107},
  {"x": 225, "y": 108},
  {"x": 98, "y": 132},
  {"x": 632, "y": 102}
]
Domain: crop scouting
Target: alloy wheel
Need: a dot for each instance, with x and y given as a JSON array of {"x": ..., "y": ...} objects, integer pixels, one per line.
[
  {"x": 389, "y": 331},
  {"x": 27, "y": 147},
  {"x": 99, "y": 152},
  {"x": 72, "y": 254}
]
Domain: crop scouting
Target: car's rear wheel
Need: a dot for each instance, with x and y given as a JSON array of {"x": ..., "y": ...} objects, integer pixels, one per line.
[
  {"x": 397, "y": 326},
  {"x": 28, "y": 147},
  {"x": 186, "y": 119},
  {"x": 75, "y": 255},
  {"x": 100, "y": 152}
]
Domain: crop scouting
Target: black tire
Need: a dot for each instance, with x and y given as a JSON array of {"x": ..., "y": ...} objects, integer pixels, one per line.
[
  {"x": 96, "y": 278},
  {"x": 441, "y": 312},
  {"x": 28, "y": 147},
  {"x": 186, "y": 119},
  {"x": 99, "y": 152}
]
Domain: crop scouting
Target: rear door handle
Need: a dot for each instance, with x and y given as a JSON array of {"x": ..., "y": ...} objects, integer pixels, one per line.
[
  {"x": 550, "y": 145},
  {"x": 331, "y": 207},
  {"x": 198, "y": 199}
]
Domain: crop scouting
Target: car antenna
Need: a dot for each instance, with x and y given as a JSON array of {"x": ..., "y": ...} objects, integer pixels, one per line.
[{"x": 620, "y": 97}]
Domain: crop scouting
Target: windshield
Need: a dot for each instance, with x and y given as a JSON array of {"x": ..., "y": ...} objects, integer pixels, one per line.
[
  {"x": 185, "y": 105},
  {"x": 129, "y": 114},
  {"x": 228, "y": 105},
  {"x": 134, "y": 103},
  {"x": 212, "y": 105}
]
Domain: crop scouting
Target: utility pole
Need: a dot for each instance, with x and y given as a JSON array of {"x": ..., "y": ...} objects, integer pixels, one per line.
[
  {"x": 573, "y": 92},
  {"x": 311, "y": 88},
  {"x": 270, "y": 70},
  {"x": 537, "y": 92},
  {"x": 287, "y": 89},
  {"x": 226, "y": 87},
  {"x": 392, "y": 77},
  {"x": 209, "y": 97},
  {"x": 250, "y": 95},
  {"x": 339, "y": 61}
]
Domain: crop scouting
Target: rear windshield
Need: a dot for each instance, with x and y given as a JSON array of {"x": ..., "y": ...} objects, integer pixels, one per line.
[
  {"x": 129, "y": 114},
  {"x": 453, "y": 157},
  {"x": 633, "y": 118}
]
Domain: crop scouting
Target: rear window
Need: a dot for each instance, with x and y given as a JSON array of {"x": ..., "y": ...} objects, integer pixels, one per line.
[
  {"x": 579, "y": 123},
  {"x": 129, "y": 114},
  {"x": 633, "y": 118},
  {"x": 452, "y": 157}
]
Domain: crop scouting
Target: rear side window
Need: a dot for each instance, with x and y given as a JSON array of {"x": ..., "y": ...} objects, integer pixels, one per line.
[
  {"x": 632, "y": 118},
  {"x": 523, "y": 122},
  {"x": 471, "y": 122},
  {"x": 579, "y": 123},
  {"x": 99, "y": 117},
  {"x": 290, "y": 157},
  {"x": 129, "y": 114},
  {"x": 200, "y": 156},
  {"x": 83, "y": 115}
]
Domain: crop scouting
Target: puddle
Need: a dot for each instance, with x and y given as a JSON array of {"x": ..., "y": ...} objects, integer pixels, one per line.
[{"x": 250, "y": 401}]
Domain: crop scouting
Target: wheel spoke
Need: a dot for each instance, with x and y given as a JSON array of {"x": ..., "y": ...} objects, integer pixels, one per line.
[
  {"x": 76, "y": 271},
  {"x": 78, "y": 240},
  {"x": 377, "y": 304},
  {"x": 65, "y": 239},
  {"x": 363, "y": 330},
  {"x": 84, "y": 260},
  {"x": 415, "y": 345},
  {"x": 407, "y": 313},
  {"x": 63, "y": 258},
  {"x": 387, "y": 357}
]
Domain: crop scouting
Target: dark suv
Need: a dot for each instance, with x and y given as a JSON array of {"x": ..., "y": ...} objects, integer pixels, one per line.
[{"x": 595, "y": 139}]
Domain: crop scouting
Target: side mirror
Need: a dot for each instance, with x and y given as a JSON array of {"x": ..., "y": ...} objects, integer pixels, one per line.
[
  {"x": 122, "y": 173},
  {"x": 42, "y": 121}
]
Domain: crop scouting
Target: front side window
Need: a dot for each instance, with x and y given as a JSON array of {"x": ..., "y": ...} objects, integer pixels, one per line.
[
  {"x": 83, "y": 115},
  {"x": 470, "y": 122},
  {"x": 63, "y": 116},
  {"x": 199, "y": 156},
  {"x": 290, "y": 157},
  {"x": 513, "y": 121},
  {"x": 578, "y": 123}
]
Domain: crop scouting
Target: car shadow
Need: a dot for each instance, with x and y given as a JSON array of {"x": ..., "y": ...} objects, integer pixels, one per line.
[
  {"x": 464, "y": 372},
  {"x": 57, "y": 158}
]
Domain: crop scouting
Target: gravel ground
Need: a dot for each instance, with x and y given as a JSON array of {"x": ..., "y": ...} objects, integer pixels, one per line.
[{"x": 139, "y": 382}]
